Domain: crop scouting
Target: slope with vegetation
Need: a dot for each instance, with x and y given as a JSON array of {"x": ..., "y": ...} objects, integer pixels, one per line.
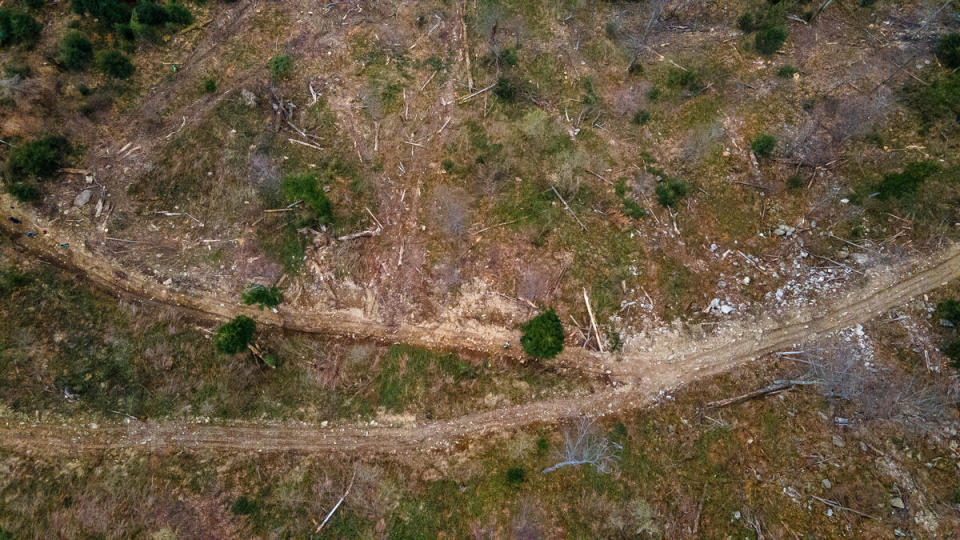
[{"x": 609, "y": 180}]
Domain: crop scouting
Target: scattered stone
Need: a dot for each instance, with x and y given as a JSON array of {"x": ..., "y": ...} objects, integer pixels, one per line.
[
  {"x": 897, "y": 502},
  {"x": 784, "y": 230},
  {"x": 82, "y": 198},
  {"x": 838, "y": 442},
  {"x": 946, "y": 324},
  {"x": 826, "y": 483}
]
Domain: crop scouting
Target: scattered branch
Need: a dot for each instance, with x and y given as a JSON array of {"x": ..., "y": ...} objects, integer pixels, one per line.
[{"x": 567, "y": 206}]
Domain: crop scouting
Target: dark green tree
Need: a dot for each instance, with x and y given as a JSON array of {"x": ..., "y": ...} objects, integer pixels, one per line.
[
  {"x": 115, "y": 64},
  {"x": 763, "y": 145},
  {"x": 769, "y": 39},
  {"x": 543, "y": 335},
  {"x": 17, "y": 27},
  {"x": 280, "y": 67},
  {"x": 235, "y": 335},
  {"x": 669, "y": 191},
  {"x": 262, "y": 296},
  {"x": 38, "y": 159},
  {"x": 948, "y": 50},
  {"x": 76, "y": 51},
  {"x": 306, "y": 187},
  {"x": 179, "y": 14}
]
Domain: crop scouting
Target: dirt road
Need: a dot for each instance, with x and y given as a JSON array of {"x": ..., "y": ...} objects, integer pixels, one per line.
[{"x": 645, "y": 374}]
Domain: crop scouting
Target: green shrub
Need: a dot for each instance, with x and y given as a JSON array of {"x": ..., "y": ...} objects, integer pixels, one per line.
[
  {"x": 23, "y": 191},
  {"x": 769, "y": 39},
  {"x": 949, "y": 310},
  {"x": 636, "y": 68},
  {"x": 76, "y": 51},
  {"x": 670, "y": 190},
  {"x": 763, "y": 145},
  {"x": 633, "y": 210},
  {"x": 179, "y": 14},
  {"x": 149, "y": 13},
  {"x": 786, "y": 71},
  {"x": 109, "y": 12},
  {"x": 209, "y": 86},
  {"x": 262, "y": 296},
  {"x": 516, "y": 476},
  {"x": 235, "y": 335},
  {"x": 509, "y": 57},
  {"x": 280, "y": 67},
  {"x": 904, "y": 184},
  {"x": 948, "y": 50},
  {"x": 641, "y": 117},
  {"x": 17, "y": 68},
  {"x": 35, "y": 4},
  {"x": 543, "y": 335},
  {"x": 684, "y": 78},
  {"x": 306, "y": 187},
  {"x": 630, "y": 207},
  {"x": 747, "y": 23},
  {"x": 17, "y": 27},
  {"x": 244, "y": 506},
  {"x": 952, "y": 352},
  {"x": 938, "y": 100},
  {"x": 796, "y": 182},
  {"x": 115, "y": 64},
  {"x": 40, "y": 158},
  {"x": 653, "y": 93},
  {"x": 505, "y": 89}
]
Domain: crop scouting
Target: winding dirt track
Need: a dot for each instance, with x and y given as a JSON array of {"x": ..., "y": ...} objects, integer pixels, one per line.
[{"x": 644, "y": 374}]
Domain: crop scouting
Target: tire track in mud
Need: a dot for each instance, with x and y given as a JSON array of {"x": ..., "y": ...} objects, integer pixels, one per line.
[{"x": 647, "y": 373}]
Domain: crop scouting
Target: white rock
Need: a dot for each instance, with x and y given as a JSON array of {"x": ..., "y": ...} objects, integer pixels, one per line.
[{"x": 82, "y": 198}]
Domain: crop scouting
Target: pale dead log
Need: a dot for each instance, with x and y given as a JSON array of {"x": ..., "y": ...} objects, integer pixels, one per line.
[
  {"x": 304, "y": 143},
  {"x": 447, "y": 121},
  {"x": 336, "y": 506},
  {"x": 775, "y": 388},
  {"x": 598, "y": 175},
  {"x": 379, "y": 225},
  {"x": 593, "y": 321},
  {"x": 175, "y": 214},
  {"x": 475, "y": 94},
  {"x": 567, "y": 206},
  {"x": 424, "y": 85},
  {"x": 174, "y": 132},
  {"x": 838, "y": 506},
  {"x": 466, "y": 49},
  {"x": 495, "y": 226},
  {"x": 351, "y": 236},
  {"x": 68, "y": 170}
]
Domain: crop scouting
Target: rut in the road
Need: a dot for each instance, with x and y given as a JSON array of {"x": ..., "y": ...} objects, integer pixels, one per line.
[{"x": 650, "y": 376}]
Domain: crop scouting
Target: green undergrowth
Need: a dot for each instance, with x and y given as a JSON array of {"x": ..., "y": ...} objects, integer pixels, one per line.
[
  {"x": 67, "y": 348},
  {"x": 672, "y": 471},
  {"x": 924, "y": 192}
]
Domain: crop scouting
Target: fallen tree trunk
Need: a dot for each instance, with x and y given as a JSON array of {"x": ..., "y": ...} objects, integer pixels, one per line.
[{"x": 775, "y": 388}]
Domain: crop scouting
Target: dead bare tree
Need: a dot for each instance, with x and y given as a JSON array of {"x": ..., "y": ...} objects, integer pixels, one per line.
[
  {"x": 582, "y": 445},
  {"x": 841, "y": 372}
]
